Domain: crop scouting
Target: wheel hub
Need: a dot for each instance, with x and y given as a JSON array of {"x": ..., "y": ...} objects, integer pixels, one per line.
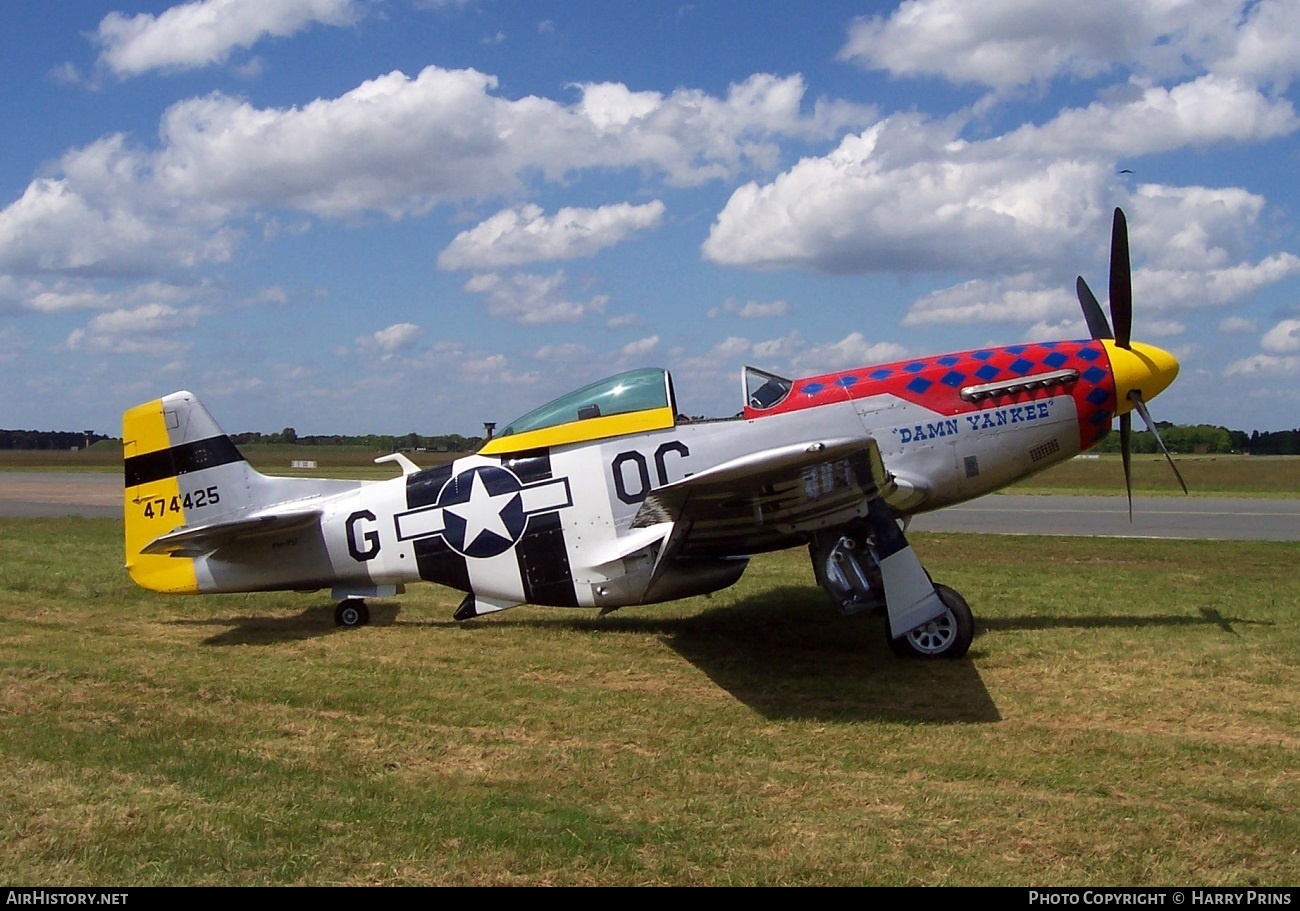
[{"x": 933, "y": 636}]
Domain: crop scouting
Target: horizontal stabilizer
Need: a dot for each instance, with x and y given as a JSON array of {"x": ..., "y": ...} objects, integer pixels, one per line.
[{"x": 197, "y": 540}]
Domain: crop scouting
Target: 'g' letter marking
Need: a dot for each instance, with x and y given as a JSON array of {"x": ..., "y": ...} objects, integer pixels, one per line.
[{"x": 368, "y": 535}]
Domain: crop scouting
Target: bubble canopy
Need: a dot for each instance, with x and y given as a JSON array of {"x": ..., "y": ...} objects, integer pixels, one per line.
[{"x": 630, "y": 402}]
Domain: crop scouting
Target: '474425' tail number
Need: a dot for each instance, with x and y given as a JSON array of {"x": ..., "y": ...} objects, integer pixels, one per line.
[{"x": 159, "y": 506}]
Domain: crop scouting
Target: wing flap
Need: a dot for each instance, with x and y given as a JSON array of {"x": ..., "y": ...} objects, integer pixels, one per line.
[{"x": 197, "y": 540}]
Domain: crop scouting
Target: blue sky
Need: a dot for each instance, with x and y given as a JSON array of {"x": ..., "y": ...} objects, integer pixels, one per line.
[{"x": 353, "y": 216}]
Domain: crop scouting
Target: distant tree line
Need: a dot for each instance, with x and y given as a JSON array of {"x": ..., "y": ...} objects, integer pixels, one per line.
[
  {"x": 48, "y": 439},
  {"x": 1185, "y": 438},
  {"x": 449, "y": 442},
  {"x": 1278, "y": 442},
  {"x": 67, "y": 439}
]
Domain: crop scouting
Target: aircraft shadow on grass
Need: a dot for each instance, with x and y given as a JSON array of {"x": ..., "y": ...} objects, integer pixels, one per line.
[
  {"x": 310, "y": 623},
  {"x": 785, "y": 653}
]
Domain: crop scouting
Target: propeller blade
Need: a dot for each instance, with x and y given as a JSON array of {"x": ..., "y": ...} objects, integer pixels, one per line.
[
  {"x": 1125, "y": 432},
  {"x": 1098, "y": 325},
  {"x": 1121, "y": 281},
  {"x": 1136, "y": 398}
]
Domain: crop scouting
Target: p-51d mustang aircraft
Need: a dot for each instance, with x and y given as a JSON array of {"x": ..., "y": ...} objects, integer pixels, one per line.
[{"x": 606, "y": 498}]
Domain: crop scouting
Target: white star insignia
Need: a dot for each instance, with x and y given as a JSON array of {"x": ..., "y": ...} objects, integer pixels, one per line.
[{"x": 483, "y": 511}]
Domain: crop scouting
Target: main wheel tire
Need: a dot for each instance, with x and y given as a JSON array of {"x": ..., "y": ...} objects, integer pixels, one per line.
[
  {"x": 947, "y": 636},
  {"x": 352, "y": 612}
]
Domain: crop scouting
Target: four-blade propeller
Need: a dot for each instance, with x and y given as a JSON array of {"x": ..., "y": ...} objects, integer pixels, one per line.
[{"x": 1141, "y": 371}]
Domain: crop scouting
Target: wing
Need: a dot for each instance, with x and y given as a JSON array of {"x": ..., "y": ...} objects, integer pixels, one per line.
[
  {"x": 766, "y": 499},
  {"x": 197, "y": 540}
]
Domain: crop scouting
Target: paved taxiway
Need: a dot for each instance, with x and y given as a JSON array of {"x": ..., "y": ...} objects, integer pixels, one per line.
[
  {"x": 34, "y": 494},
  {"x": 1211, "y": 518},
  {"x": 27, "y": 494}
]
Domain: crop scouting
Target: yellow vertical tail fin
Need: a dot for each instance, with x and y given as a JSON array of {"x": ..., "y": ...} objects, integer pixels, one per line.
[{"x": 180, "y": 469}]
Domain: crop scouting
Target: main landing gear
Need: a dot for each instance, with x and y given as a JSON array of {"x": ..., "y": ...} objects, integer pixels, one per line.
[
  {"x": 947, "y": 636},
  {"x": 848, "y": 565},
  {"x": 352, "y": 612}
]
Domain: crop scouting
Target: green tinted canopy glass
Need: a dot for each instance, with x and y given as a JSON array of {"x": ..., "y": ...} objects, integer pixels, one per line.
[{"x": 626, "y": 393}]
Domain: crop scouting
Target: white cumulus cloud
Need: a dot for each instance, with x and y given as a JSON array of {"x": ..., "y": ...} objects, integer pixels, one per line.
[
  {"x": 1266, "y": 365},
  {"x": 532, "y": 300},
  {"x": 395, "y": 144},
  {"x": 1013, "y": 300},
  {"x": 136, "y": 330},
  {"x": 1284, "y": 338},
  {"x": 1190, "y": 289},
  {"x": 907, "y": 195},
  {"x": 525, "y": 234},
  {"x": 388, "y": 341},
  {"x": 206, "y": 31},
  {"x": 1211, "y": 108},
  {"x": 854, "y": 350},
  {"x": 1005, "y": 44},
  {"x": 751, "y": 309},
  {"x": 640, "y": 347}
]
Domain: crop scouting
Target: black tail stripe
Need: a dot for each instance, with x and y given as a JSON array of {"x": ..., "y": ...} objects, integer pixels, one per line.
[{"x": 179, "y": 460}]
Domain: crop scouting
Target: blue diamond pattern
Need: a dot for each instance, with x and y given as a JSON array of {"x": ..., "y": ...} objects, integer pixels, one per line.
[{"x": 989, "y": 367}]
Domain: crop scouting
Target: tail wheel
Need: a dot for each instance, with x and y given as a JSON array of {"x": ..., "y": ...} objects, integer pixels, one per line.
[
  {"x": 947, "y": 636},
  {"x": 352, "y": 612}
]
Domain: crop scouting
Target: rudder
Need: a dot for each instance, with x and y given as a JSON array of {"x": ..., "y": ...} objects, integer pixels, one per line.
[{"x": 180, "y": 469}]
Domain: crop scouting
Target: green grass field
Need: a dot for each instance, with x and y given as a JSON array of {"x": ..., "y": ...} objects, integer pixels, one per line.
[
  {"x": 1128, "y": 714},
  {"x": 1206, "y": 475}
]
